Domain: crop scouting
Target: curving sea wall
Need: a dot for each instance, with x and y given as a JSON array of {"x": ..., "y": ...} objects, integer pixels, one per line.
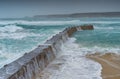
[{"x": 31, "y": 64}]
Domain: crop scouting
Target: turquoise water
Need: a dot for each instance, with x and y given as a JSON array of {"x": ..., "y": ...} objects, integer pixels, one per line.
[
  {"x": 105, "y": 36},
  {"x": 18, "y": 36}
]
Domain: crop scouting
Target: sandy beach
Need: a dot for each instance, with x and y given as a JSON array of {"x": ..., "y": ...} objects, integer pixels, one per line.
[{"x": 110, "y": 64}]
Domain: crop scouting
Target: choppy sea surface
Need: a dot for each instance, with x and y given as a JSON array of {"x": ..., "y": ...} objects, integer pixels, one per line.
[{"x": 18, "y": 36}]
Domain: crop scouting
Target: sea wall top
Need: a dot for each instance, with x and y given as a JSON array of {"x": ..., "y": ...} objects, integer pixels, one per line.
[{"x": 31, "y": 64}]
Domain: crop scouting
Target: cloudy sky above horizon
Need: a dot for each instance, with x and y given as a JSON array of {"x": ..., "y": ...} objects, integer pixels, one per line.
[{"x": 22, "y": 8}]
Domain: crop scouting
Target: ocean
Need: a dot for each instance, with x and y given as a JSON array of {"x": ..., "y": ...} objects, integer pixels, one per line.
[{"x": 19, "y": 36}]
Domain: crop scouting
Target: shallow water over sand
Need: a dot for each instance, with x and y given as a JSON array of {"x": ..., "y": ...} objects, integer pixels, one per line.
[{"x": 110, "y": 64}]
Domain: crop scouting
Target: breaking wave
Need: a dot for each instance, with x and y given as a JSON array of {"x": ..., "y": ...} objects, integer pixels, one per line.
[
  {"x": 10, "y": 28},
  {"x": 99, "y": 22},
  {"x": 22, "y": 22}
]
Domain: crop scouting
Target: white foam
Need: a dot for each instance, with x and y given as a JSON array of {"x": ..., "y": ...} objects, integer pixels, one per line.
[
  {"x": 19, "y": 36},
  {"x": 10, "y": 28},
  {"x": 48, "y": 22},
  {"x": 99, "y": 22},
  {"x": 103, "y": 50},
  {"x": 22, "y": 22},
  {"x": 9, "y": 57},
  {"x": 12, "y": 56},
  {"x": 76, "y": 65},
  {"x": 107, "y": 28}
]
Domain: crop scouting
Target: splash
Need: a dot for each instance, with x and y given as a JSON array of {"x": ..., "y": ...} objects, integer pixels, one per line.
[
  {"x": 71, "y": 63},
  {"x": 10, "y": 28}
]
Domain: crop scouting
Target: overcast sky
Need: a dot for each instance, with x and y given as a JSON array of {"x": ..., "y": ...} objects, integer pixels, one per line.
[{"x": 21, "y": 8}]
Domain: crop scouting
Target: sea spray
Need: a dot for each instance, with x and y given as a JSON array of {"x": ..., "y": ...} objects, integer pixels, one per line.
[
  {"x": 71, "y": 63},
  {"x": 29, "y": 34},
  {"x": 15, "y": 42},
  {"x": 10, "y": 28},
  {"x": 28, "y": 61}
]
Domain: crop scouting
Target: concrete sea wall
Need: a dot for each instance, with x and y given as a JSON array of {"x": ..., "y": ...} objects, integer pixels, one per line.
[{"x": 31, "y": 64}]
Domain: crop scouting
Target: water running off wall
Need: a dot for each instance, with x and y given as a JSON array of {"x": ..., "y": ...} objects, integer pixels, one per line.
[{"x": 32, "y": 63}]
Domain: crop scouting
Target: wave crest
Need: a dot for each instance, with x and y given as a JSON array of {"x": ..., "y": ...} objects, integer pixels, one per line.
[
  {"x": 10, "y": 28},
  {"x": 40, "y": 22}
]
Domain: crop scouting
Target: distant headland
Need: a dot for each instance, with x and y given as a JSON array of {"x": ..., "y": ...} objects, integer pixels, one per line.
[{"x": 74, "y": 15}]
